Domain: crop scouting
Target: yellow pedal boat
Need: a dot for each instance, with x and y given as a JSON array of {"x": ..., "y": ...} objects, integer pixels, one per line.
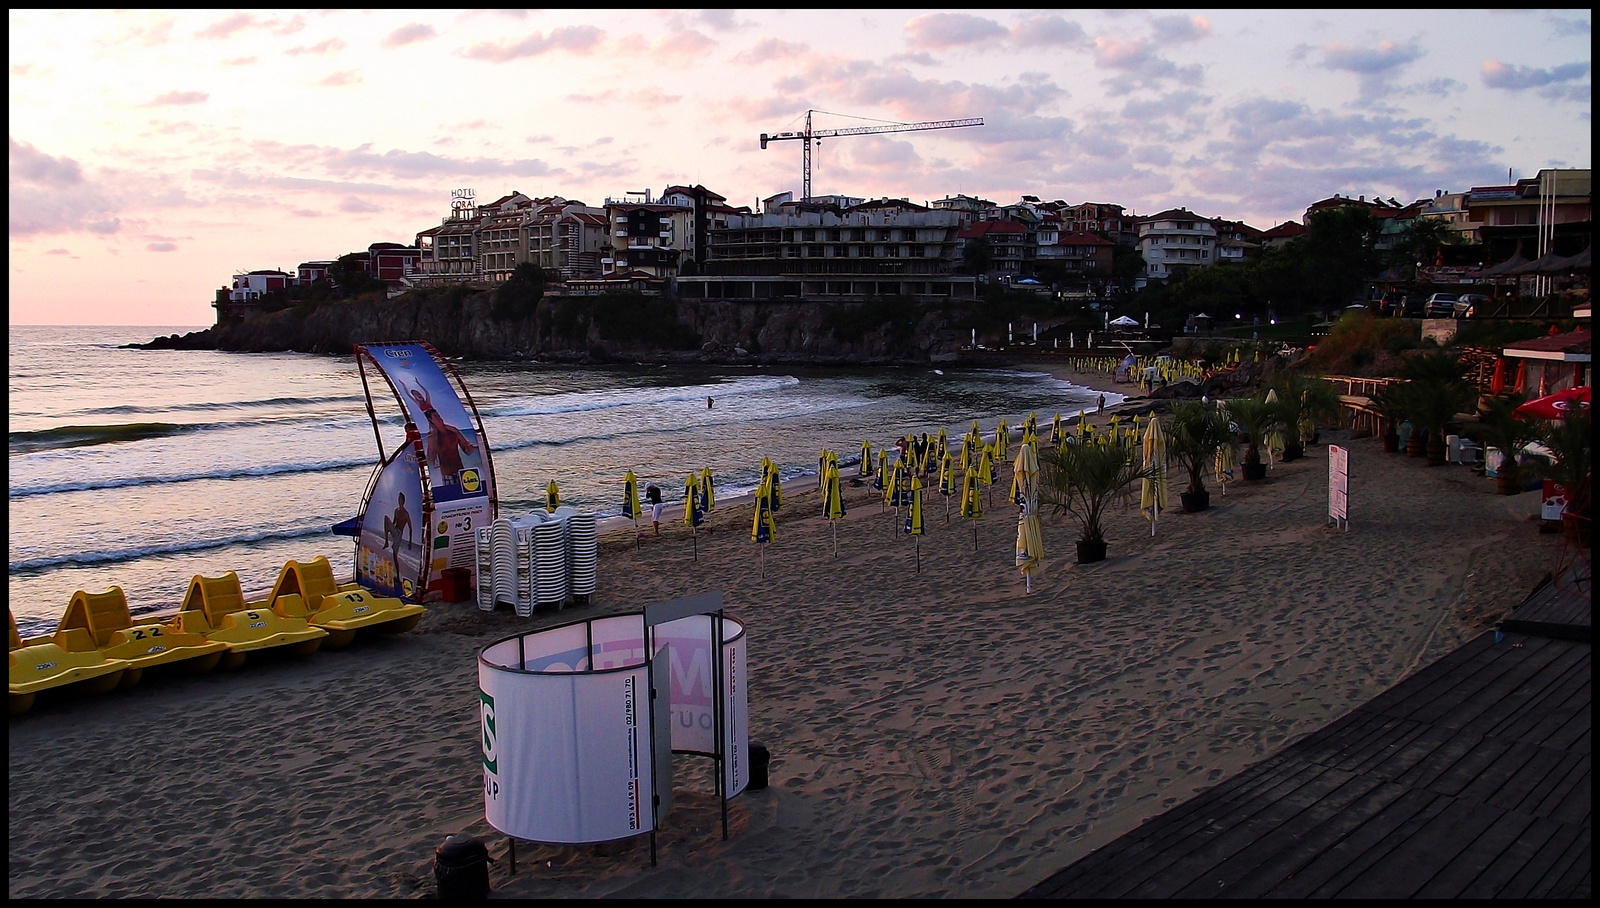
[
  {"x": 38, "y": 667},
  {"x": 215, "y": 609},
  {"x": 102, "y": 622},
  {"x": 309, "y": 591}
]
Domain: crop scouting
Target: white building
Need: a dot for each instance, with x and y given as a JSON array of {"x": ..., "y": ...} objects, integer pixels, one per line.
[{"x": 1176, "y": 239}]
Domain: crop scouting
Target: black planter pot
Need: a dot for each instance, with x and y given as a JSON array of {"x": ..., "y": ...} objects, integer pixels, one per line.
[
  {"x": 1194, "y": 502},
  {"x": 1293, "y": 453},
  {"x": 1254, "y": 471},
  {"x": 1391, "y": 444},
  {"x": 1091, "y": 550}
]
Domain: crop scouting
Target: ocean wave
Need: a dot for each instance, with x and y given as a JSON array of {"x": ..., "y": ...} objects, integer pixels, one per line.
[
  {"x": 214, "y": 406},
  {"x": 133, "y": 553},
  {"x": 123, "y": 482},
  {"x": 585, "y": 401},
  {"x": 82, "y": 436}
]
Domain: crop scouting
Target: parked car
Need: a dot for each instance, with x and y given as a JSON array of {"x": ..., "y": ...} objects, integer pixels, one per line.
[
  {"x": 1440, "y": 305},
  {"x": 1414, "y": 306},
  {"x": 1466, "y": 303},
  {"x": 1392, "y": 303}
]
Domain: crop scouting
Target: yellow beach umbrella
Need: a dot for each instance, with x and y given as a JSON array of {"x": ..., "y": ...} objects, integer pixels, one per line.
[
  {"x": 1155, "y": 444},
  {"x": 986, "y": 467},
  {"x": 1153, "y": 496},
  {"x": 832, "y": 503},
  {"x": 1030, "y": 536},
  {"x": 708, "y": 495},
  {"x": 972, "y": 504},
  {"x": 883, "y": 469},
  {"x": 947, "y": 481},
  {"x": 765, "y": 528},
  {"x": 1055, "y": 430},
  {"x": 630, "y": 503},
  {"x": 1002, "y": 439},
  {"x": 944, "y": 444},
  {"x": 914, "y": 519},
  {"x": 692, "y": 515},
  {"x": 552, "y": 497},
  {"x": 866, "y": 459}
]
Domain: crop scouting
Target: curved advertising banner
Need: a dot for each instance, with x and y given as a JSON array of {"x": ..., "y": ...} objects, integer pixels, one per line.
[{"x": 430, "y": 495}]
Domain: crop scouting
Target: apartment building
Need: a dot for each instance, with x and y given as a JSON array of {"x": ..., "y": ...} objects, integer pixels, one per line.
[
  {"x": 1549, "y": 212},
  {"x": 1174, "y": 240},
  {"x": 791, "y": 251}
]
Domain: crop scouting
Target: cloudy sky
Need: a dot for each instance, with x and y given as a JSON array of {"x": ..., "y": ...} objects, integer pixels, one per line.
[{"x": 154, "y": 153}]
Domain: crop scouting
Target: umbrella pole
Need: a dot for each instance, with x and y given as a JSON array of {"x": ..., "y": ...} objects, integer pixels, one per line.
[
  {"x": 763, "y": 561},
  {"x": 638, "y": 541},
  {"x": 974, "y": 537},
  {"x": 835, "y": 537},
  {"x": 919, "y": 554},
  {"x": 695, "y": 532}
]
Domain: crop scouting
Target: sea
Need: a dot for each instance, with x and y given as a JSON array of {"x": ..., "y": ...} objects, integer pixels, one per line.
[{"x": 142, "y": 468}]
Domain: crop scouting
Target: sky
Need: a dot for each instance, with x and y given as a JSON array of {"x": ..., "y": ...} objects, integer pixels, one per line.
[{"x": 154, "y": 154}]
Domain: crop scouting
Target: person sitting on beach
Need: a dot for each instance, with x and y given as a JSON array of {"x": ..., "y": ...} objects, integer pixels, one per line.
[{"x": 653, "y": 496}]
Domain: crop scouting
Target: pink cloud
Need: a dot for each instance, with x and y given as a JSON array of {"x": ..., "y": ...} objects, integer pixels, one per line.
[
  {"x": 179, "y": 98},
  {"x": 573, "y": 38},
  {"x": 321, "y": 47},
  {"x": 937, "y": 31},
  {"x": 342, "y": 77},
  {"x": 409, "y": 34}
]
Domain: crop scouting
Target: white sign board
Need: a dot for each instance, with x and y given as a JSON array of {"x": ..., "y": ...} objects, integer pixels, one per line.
[{"x": 1339, "y": 486}]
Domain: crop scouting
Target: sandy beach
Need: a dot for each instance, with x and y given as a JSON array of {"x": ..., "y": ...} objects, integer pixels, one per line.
[{"x": 940, "y": 733}]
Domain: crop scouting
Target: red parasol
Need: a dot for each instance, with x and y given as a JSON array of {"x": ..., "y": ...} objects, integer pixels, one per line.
[
  {"x": 1498, "y": 384},
  {"x": 1557, "y": 405}
]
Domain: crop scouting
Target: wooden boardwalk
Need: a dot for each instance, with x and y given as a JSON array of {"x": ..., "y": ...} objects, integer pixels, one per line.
[{"x": 1470, "y": 779}]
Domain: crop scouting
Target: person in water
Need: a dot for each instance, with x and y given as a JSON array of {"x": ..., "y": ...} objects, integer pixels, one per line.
[{"x": 446, "y": 443}]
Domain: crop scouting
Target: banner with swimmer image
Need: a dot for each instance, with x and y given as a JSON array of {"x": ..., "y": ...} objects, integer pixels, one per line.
[{"x": 427, "y": 497}]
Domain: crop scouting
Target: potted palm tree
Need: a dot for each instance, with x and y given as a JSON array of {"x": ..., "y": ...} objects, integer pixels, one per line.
[
  {"x": 1084, "y": 479},
  {"x": 1389, "y": 401},
  {"x": 1571, "y": 455},
  {"x": 1305, "y": 400},
  {"x": 1438, "y": 390},
  {"x": 1194, "y": 433},
  {"x": 1256, "y": 418},
  {"x": 1501, "y": 428}
]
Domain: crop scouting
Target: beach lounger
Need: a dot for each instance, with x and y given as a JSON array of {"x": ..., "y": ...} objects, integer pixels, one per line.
[
  {"x": 38, "y": 667},
  {"x": 215, "y": 608},
  {"x": 102, "y": 621},
  {"x": 308, "y": 590}
]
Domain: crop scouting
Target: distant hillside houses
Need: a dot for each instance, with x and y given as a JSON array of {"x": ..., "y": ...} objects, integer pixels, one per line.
[{"x": 689, "y": 241}]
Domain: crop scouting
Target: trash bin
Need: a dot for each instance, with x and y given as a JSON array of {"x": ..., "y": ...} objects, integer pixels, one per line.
[
  {"x": 461, "y": 868},
  {"x": 456, "y": 585},
  {"x": 759, "y": 757}
]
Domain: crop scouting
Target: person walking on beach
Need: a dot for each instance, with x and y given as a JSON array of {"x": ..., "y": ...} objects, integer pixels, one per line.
[
  {"x": 1101, "y": 408},
  {"x": 653, "y": 496}
]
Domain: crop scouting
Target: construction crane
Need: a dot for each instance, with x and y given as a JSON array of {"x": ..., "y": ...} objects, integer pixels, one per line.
[{"x": 810, "y": 135}]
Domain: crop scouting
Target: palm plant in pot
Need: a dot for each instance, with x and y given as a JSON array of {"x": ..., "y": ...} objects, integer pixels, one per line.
[
  {"x": 1501, "y": 428},
  {"x": 1256, "y": 418},
  {"x": 1390, "y": 402},
  {"x": 1305, "y": 401},
  {"x": 1194, "y": 433},
  {"x": 1084, "y": 479},
  {"x": 1571, "y": 456},
  {"x": 1438, "y": 390}
]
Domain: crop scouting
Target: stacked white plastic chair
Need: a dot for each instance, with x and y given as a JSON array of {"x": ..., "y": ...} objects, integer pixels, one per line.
[
  {"x": 484, "y": 538},
  {"x": 503, "y": 556},
  {"x": 525, "y": 527},
  {"x": 550, "y": 560},
  {"x": 582, "y": 554}
]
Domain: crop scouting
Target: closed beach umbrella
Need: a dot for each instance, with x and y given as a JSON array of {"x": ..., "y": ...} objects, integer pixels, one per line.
[
  {"x": 708, "y": 496},
  {"x": 630, "y": 496},
  {"x": 866, "y": 459},
  {"x": 944, "y": 444},
  {"x": 1222, "y": 466},
  {"x": 693, "y": 513},
  {"x": 986, "y": 467},
  {"x": 1055, "y": 430},
  {"x": 630, "y": 503},
  {"x": 552, "y": 497},
  {"x": 1153, "y": 496},
  {"x": 1030, "y": 536},
  {"x": 946, "y": 482},
  {"x": 914, "y": 519},
  {"x": 765, "y": 528},
  {"x": 833, "y": 503},
  {"x": 776, "y": 492},
  {"x": 971, "y": 504},
  {"x": 1155, "y": 444},
  {"x": 883, "y": 468},
  {"x": 1002, "y": 439}
]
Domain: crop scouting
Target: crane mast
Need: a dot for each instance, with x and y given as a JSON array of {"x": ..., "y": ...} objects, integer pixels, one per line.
[{"x": 810, "y": 135}]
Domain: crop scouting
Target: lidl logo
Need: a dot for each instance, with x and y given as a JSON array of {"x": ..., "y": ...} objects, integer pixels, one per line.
[
  {"x": 407, "y": 587},
  {"x": 470, "y": 481},
  {"x": 444, "y": 527}
]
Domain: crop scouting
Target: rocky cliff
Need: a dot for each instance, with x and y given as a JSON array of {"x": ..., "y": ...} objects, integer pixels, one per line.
[{"x": 620, "y": 327}]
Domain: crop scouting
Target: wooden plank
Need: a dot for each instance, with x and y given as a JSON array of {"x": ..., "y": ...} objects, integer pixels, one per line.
[
  {"x": 1549, "y": 858},
  {"x": 1409, "y": 863},
  {"x": 1473, "y": 861},
  {"x": 1512, "y": 861},
  {"x": 1268, "y": 859},
  {"x": 1570, "y": 799},
  {"x": 1347, "y": 858}
]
